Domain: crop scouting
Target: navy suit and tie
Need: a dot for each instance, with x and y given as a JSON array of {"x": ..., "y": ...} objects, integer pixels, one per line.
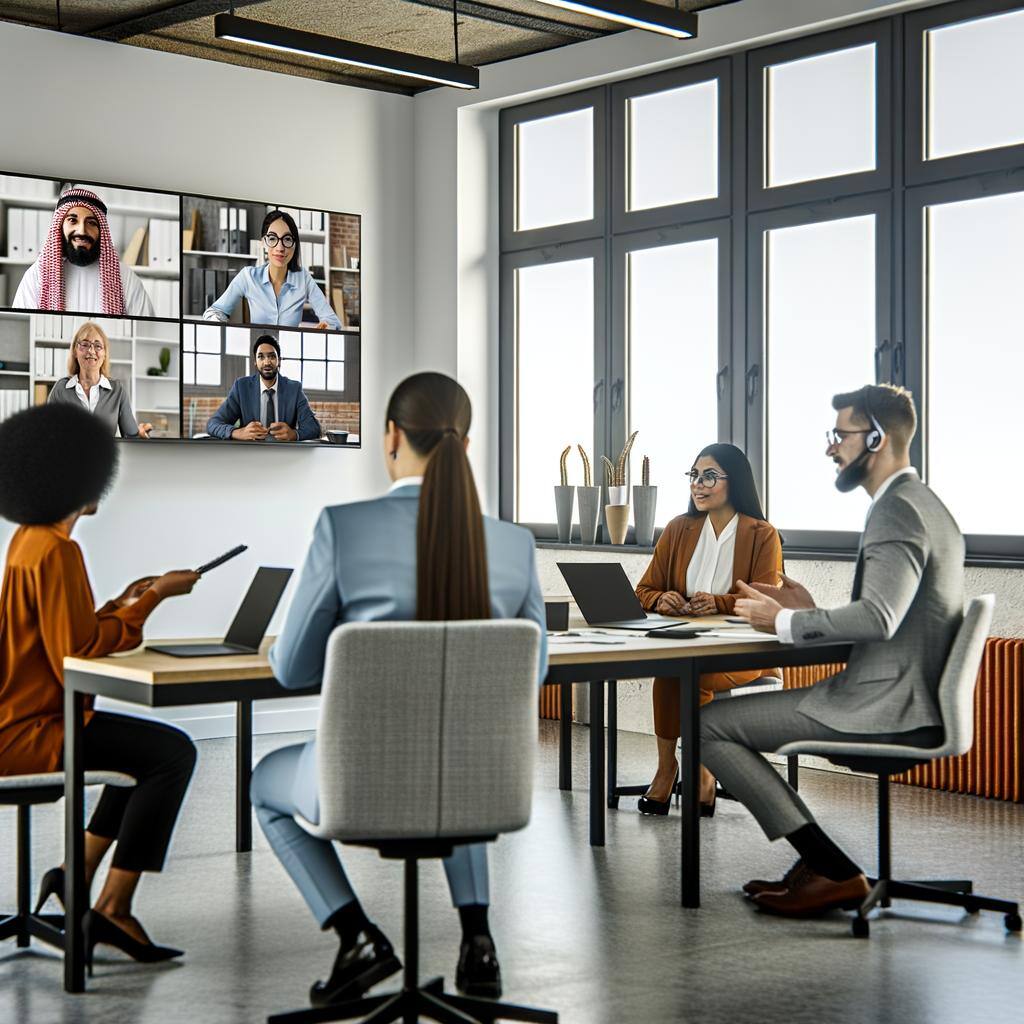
[
  {"x": 245, "y": 404},
  {"x": 361, "y": 567}
]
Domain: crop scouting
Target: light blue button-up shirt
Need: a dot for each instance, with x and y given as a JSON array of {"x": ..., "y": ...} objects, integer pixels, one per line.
[{"x": 285, "y": 309}]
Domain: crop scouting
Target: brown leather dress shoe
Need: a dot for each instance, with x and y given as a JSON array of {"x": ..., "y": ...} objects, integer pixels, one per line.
[
  {"x": 810, "y": 894},
  {"x": 758, "y": 885}
]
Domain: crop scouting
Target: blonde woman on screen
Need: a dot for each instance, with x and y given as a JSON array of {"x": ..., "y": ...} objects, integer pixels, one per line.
[{"x": 88, "y": 383}]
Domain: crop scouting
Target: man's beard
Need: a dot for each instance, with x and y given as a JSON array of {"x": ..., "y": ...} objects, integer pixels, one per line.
[
  {"x": 852, "y": 476},
  {"x": 81, "y": 257}
]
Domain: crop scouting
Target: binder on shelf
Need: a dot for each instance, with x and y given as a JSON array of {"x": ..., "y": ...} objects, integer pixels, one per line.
[
  {"x": 156, "y": 242},
  {"x": 210, "y": 292},
  {"x": 338, "y": 301},
  {"x": 30, "y": 234},
  {"x": 243, "y": 230},
  {"x": 40, "y": 394},
  {"x": 305, "y": 220},
  {"x": 196, "y": 306},
  {"x": 222, "y": 238},
  {"x": 134, "y": 251},
  {"x": 233, "y": 229}
]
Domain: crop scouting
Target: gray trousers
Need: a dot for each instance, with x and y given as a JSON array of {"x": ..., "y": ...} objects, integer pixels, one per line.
[
  {"x": 733, "y": 732},
  {"x": 283, "y": 784}
]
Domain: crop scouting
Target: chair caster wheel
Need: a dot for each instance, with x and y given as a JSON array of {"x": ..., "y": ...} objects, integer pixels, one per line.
[
  {"x": 1012, "y": 922},
  {"x": 861, "y": 928},
  {"x": 972, "y": 908}
]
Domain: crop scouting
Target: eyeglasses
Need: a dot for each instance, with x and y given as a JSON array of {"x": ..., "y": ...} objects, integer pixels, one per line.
[
  {"x": 835, "y": 438},
  {"x": 708, "y": 478},
  {"x": 86, "y": 346},
  {"x": 286, "y": 240}
]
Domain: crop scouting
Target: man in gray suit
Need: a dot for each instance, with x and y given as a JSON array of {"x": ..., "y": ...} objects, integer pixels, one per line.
[{"x": 905, "y": 609}]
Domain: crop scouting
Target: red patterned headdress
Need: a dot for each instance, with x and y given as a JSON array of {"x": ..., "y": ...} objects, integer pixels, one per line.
[{"x": 51, "y": 260}]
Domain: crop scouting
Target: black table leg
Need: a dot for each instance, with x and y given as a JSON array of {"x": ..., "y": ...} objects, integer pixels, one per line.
[
  {"x": 613, "y": 743},
  {"x": 243, "y": 776},
  {"x": 689, "y": 778},
  {"x": 597, "y": 793},
  {"x": 76, "y": 896},
  {"x": 565, "y": 736}
]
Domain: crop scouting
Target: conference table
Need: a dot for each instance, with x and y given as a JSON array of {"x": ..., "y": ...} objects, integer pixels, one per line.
[{"x": 153, "y": 680}]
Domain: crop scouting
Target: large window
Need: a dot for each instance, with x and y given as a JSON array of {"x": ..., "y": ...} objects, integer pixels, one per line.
[{"x": 710, "y": 253}]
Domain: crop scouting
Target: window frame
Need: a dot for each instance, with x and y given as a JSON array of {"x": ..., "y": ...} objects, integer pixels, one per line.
[
  {"x": 508, "y": 460},
  {"x": 919, "y": 170},
  {"x": 508, "y": 122},
  {"x": 761, "y": 197}
]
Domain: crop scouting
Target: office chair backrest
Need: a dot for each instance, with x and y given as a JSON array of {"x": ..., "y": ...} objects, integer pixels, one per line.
[
  {"x": 956, "y": 688},
  {"x": 427, "y": 729}
]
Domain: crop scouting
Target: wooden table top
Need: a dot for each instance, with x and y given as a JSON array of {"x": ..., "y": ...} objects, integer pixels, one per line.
[{"x": 145, "y": 666}]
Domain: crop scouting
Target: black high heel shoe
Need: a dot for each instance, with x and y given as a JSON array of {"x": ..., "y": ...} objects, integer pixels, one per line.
[
  {"x": 52, "y": 884},
  {"x": 101, "y": 929},
  {"x": 647, "y": 805}
]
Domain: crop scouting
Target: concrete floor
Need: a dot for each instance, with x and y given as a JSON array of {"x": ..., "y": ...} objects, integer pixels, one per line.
[{"x": 596, "y": 934}]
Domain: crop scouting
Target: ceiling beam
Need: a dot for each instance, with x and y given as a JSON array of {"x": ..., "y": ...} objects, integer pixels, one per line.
[
  {"x": 516, "y": 19},
  {"x": 166, "y": 16}
]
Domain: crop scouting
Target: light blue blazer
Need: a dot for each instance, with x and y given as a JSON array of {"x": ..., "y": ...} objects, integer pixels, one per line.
[{"x": 361, "y": 567}]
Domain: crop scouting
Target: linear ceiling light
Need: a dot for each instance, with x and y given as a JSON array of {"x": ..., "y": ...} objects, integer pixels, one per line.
[
  {"x": 309, "y": 44},
  {"x": 669, "y": 21}
]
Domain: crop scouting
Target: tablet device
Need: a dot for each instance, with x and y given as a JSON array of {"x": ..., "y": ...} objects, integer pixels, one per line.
[{"x": 227, "y": 556}]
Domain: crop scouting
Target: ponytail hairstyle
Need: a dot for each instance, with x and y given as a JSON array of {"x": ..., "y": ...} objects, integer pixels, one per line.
[{"x": 451, "y": 558}]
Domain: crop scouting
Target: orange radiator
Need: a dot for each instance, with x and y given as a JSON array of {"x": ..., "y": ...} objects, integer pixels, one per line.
[
  {"x": 994, "y": 766},
  {"x": 549, "y": 702}
]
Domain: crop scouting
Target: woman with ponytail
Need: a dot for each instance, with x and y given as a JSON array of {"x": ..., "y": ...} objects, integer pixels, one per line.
[{"x": 422, "y": 552}]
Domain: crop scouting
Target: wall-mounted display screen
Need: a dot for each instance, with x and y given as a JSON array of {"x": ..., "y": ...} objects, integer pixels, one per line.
[{"x": 180, "y": 317}]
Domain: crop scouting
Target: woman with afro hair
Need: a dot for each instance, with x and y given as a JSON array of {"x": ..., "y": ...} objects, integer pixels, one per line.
[{"x": 56, "y": 463}]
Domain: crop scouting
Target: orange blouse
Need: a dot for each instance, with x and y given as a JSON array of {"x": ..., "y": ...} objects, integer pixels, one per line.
[
  {"x": 47, "y": 613},
  {"x": 757, "y": 558}
]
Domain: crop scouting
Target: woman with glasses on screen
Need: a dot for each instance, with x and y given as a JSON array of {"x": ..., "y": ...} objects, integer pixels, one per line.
[
  {"x": 89, "y": 384},
  {"x": 723, "y": 537},
  {"x": 421, "y": 552},
  {"x": 279, "y": 290}
]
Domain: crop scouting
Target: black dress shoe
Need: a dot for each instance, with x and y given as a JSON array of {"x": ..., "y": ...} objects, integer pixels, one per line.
[
  {"x": 648, "y": 805},
  {"x": 51, "y": 885},
  {"x": 478, "y": 973},
  {"x": 357, "y": 968}
]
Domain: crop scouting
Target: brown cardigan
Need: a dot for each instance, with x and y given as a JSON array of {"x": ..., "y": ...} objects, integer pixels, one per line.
[
  {"x": 757, "y": 558},
  {"x": 47, "y": 613}
]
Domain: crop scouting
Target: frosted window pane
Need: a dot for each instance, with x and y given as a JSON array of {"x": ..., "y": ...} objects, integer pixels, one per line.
[
  {"x": 291, "y": 368},
  {"x": 190, "y": 371},
  {"x": 555, "y": 170},
  {"x": 974, "y": 86},
  {"x": 820, "y": 326},
  {"x": 335, "y": 347},
  {"x": 673, "y": 146},
  {"x": 335, "y": 376},
  {"x": 314, "y": 375},
  {"x": 207, "y": 338},
  {"x": 314, "y": 346},
  {"x": 555, "y": 379},
  {"x": 189, "y": 337},
  {"x": 208, "y": 370},
  {"x": 291, "y": 344},
  {"x": 819, "y": 116},
  {"x": 237, "y": 341},
  {"x": 975, "y": 336},
  {"x": 673, "y": 359}
]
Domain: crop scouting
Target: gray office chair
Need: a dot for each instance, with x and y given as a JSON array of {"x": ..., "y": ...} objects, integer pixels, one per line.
[
  {"x": 439, "y": 721},
  {"x": 956, "y": 705},
  {"x": 24, "y": 791}
]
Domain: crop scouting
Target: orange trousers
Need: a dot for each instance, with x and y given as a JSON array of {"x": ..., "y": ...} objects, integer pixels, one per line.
[{"x": 666, "y": 697}]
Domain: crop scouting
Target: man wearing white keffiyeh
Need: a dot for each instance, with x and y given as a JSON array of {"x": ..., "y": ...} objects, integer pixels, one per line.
[{"x": 79, "y": 269}]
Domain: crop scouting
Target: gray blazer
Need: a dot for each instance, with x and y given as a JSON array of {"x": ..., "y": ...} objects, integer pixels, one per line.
[
  {"x": 361, "y": 567},
  {"x": 113, "y": 406},
  {"x": 906, "y": 606}
]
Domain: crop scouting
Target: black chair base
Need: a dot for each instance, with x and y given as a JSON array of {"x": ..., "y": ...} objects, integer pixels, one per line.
[
  {"x": 948, "y": 892},
  {"x": 429, "y": 1002},
  {"x": 48, "y": 928},
  {"x": 415, "y": 1001}
]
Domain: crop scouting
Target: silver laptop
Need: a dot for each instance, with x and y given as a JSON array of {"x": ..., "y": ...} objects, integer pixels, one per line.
[
  {"x": 250, "y": 623},
  {"x": 605, "y": 597}
]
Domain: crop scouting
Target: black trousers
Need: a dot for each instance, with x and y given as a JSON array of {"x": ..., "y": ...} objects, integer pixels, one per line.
[{"x": 141, "y": 819}]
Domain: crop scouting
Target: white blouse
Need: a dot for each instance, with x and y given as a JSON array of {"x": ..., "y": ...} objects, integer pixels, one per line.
[{"x": 711, "y": 568}]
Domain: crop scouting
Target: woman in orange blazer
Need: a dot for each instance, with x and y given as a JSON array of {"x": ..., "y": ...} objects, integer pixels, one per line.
[
  {"x": 56, "y": 462},
  {"x": 722, "y": 538}
]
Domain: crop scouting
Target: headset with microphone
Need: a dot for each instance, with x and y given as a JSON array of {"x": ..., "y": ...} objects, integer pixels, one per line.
[
  {"x": 855, "y": 472},
  {"x": 876, "y": 435}
]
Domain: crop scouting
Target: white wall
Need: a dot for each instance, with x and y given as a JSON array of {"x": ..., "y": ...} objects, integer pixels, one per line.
[{"x": 120, "y": 114}]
